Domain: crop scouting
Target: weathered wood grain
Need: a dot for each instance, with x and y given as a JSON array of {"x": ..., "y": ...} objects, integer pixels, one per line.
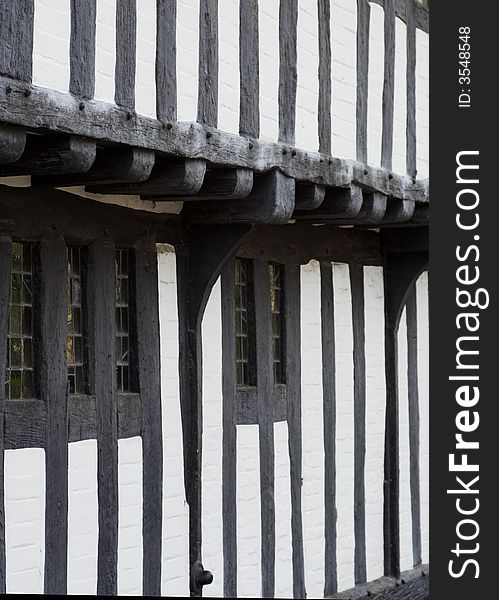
[
  {"x": 168, "y": 177},
  {"x": 288, "y": 78},
  {"x": 112, "y": 165},
  {"x": 208, "y": 63},
  {"x": 82, "y": 48},
  {"x": 271, "y": 200},
  {"x": 53, "y": 155},
  {"x": 16, "y": 33},
  {"x": 325, "y": 93},
  {"x": 149, "y": 381},
  {"x": 56, "y": 111},
  {"x": 12, "y": 143},
  {"x": 249, "y": 69},
  {"x": 53, "y": 393},
  {"x": 126, "y": 57},
  {"x": 166, "y": 60}
]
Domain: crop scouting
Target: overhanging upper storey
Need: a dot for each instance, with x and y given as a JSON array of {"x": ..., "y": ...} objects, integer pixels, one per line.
[{"x": 227, "y": 111}]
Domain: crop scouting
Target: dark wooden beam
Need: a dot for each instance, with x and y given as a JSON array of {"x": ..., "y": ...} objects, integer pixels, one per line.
[
  {"x": 271, "y": 200},
  {"x": 329, "y": 412},
  {"x": 402, "y": 8},
  {"x": 208, "y": 63},
  {"x": 411, "y": 164},
  {"x": 229, "y": 440},
  {"x": 82, "y": 48},
  {"x": 288, "y": 19},
  {"x": 101, "y": 309},
  {"x": 38, "y": 108},
  {"x": 149, "y": 380},
  {"x": 12, "y": 143},
  {"x": 404, "y": 240},
  {"x": 45, "y": 155},
  {"x": 308, "y": 197},
  {"x": 53, "y": 393},
  {"x": 168, "y": 177},
  {"x": 112, "y": 165},
  {"x": 16, "y": 33},
  {"x": 363, "y": 25},
  {"x": 126, "y": 53},
  {"x": 325, "y": 93},
  {"x": 218, "y": 184},
  {"x": 166, "y": 60},
  {"x": 249, "y": 68},
  {"x": 388, "y": 85}
]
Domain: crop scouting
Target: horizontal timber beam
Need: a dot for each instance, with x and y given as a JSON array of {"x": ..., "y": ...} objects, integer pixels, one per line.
[{"x": 48, "y": 110}]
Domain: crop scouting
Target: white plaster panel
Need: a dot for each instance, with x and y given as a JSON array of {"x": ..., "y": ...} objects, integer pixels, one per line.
[
  {"x": 249, "y": 580},
  {"x": 375, "y": 418},
  {"x": 187, "y": 59},
  {"x": 51, "y": 44},
  {"x": 312, "y": 429},
  {"x": 268, "y": 24},
  {"x": 307, "y": 93},
  {"x": 228, "y": 69},
  {"x": 344, "y": 77},
  {"x": 344, "y": 425},
  {"x": 130, "y": 516},
  {"x": 212, "y": 442},
  {"x": 282, "y": 497},
  {"x": 83, "y": 517},
  {"x": 24, "y": 485},
  {"x": 375, "y": 85},
  {"x": 406, "y": 558},
  {"x": 175, "y": 552}
]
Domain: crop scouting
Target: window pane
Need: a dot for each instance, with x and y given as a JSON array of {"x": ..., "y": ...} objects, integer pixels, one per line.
[
  {"x": 276, "y": 279},
  {"x": 244, "y": 323},
  {"x": 122, "y": 295},
  {"x": 74, "y": 346},
  {"x": 19, "y": 375}
]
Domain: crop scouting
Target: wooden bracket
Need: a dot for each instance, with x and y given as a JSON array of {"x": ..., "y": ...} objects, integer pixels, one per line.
[
  {"x": 340, "y": 204},
  {"x": 112, "y": 165},
  {"x": 44, "y": 155},
  {"x": 12, "y": 143},
  {"x": 218, "y": 184},
  {"x": 169, "y": 177},
  {"x": 309, "y": 196},
  {"x": 398, "y": 211},
  {"x": 271, "y": 200}
]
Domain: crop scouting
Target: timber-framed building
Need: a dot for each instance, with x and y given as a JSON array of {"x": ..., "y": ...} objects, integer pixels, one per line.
[{"x": 213, "y": 298}]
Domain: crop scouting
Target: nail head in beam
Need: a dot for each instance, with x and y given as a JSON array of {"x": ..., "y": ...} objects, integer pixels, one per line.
[
  {"x": 112, "y": 165},
  {"x": 168, "y": 177}
]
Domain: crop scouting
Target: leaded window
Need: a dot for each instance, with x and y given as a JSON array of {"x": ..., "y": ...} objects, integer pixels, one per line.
[
  {"x": 74, "y": 342},
  {"x": 245, "y": 324},
  {"x": 19, "y": 381},
  {"x": 276, "y": 275},
  {"x": 122, "y": 264}
]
